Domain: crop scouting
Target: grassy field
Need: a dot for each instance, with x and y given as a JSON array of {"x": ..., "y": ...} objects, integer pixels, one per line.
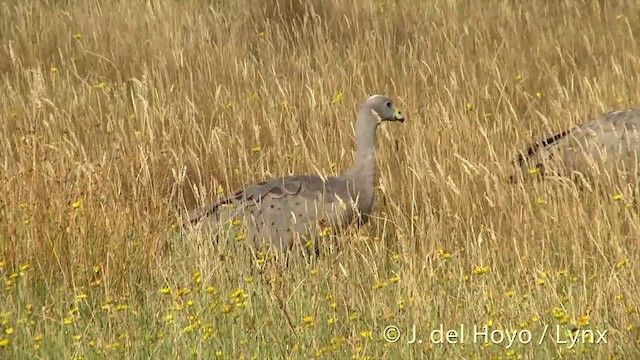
[{"x": 119, "y": 115}]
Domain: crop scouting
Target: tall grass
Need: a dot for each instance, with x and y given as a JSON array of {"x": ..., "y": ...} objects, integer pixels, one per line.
[{"x": 117, "y": 116}]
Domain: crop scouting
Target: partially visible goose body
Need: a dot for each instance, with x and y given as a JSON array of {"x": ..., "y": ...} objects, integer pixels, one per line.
[
  {"x": 609, "y": 143},
  {"x": 278, "y": 211}
]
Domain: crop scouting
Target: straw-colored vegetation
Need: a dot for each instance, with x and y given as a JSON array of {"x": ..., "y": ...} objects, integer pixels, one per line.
[{"x": 119, "y": 115}]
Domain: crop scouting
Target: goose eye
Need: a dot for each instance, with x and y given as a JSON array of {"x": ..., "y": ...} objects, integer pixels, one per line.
[{"x": 388, "y": 104}]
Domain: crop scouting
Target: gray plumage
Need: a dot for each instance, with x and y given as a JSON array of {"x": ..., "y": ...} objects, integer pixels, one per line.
[
  {"x": 610, "y": 142},
  {"x": 275, "y": 212}
]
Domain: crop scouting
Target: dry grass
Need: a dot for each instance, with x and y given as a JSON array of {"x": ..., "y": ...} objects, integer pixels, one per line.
[{"x": 119, "y": 115}]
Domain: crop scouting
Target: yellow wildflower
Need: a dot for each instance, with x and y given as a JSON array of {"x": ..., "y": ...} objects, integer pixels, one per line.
[
  {"x": 325, "y": 231},
  {"x": 584, "y": 320},
  {"x": 631, "y": 310},
  {"x": 523, "y": 324},
  {"x": 443, "y": 254},
  {"x": 238, "y": 294},
  {"x": 622, "y": 263},
  {"x": 338, "y": 97},
  {"x": 480, "y": 270},
  {"x": 183, "y": 291},
  {"x": 211, "y": 290},
  {"x": 379, "y": 285}
]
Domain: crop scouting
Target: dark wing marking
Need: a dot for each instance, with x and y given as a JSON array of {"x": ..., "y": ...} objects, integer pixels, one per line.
[
  {"x": 277, "y": 188},
  {"x": 533, "y": 148}
]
